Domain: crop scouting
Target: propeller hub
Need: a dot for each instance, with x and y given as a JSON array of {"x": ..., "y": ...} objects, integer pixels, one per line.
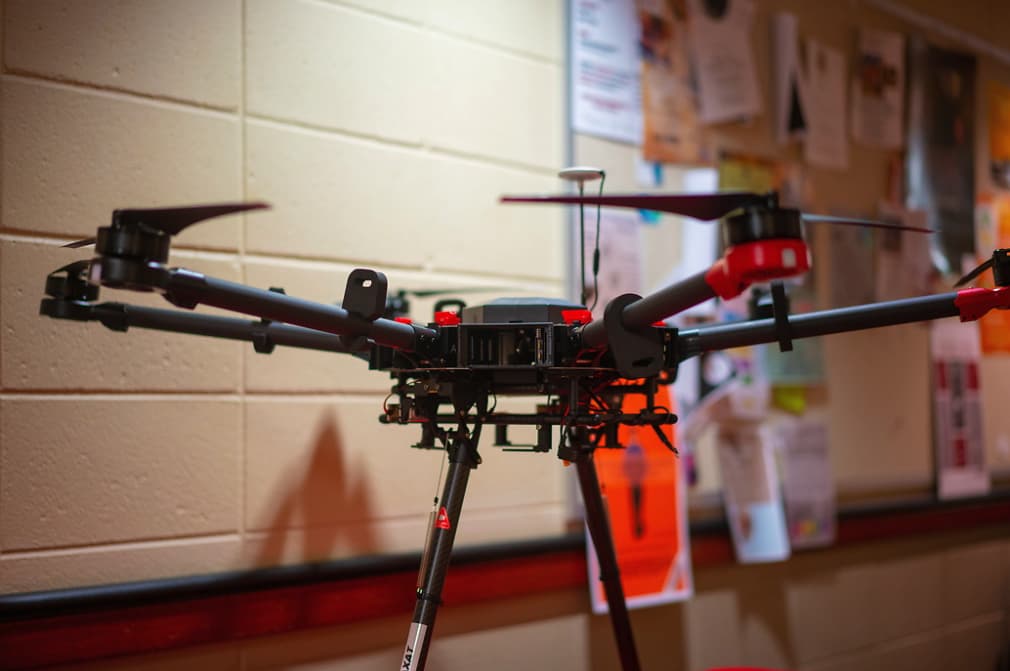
[
  {"x": 134, "y": 242},
  {"x": 757, "y": 223}
]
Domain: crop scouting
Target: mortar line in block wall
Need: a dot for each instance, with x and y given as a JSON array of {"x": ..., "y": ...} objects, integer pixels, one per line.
[
  {"x": 243, "y": 232},
  {"x": 66, "y": 84},
  {"x": 133, "y": 544},
  {"x": 117, "y": 395},
  {"x": 426, "y": 25},
  {"x": 337, "y": 263},
  {"x": 371, "y": 140},
  {"x": 493, "y": 279},
  {"x": 60, "y": 239}
]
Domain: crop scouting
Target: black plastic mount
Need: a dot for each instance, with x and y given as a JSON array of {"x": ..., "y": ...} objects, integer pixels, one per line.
[
  {"x": 780, "y": 312},
  {"x": 636, "y": 354},
  {"x": 365, "y": 294},
  {"x": 1001, "y": 267}
]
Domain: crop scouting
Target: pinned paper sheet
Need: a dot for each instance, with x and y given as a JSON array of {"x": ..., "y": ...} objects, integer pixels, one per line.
[
  {"x": 790, "y": 121},
  {"x": 807, "y": 482},
  {"x": 620, "y": 270},
  {"x": 878, "y": 89},
  {"x": 671, "y": 131},
  {"x": 606, "y": 90},
  {"x": 752, "y": 495},
  {"x": 826, "y": 144},
  {"x": 957, "y": 409},
  {"x": 720, "y": 41}
]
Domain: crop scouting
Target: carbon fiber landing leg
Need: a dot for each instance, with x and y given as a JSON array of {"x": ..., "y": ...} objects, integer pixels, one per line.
[
  {"x": 462, "y": 459},
  {"x": 599, "y": 530}
]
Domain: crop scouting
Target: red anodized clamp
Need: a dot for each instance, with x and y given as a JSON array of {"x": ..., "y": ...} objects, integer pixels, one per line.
[
  {"x": 577, "y": 315},
  {"x": 973, "y": 303},
  {"x": 447, "y": 318},
  {"x": 749, "y": 262}
]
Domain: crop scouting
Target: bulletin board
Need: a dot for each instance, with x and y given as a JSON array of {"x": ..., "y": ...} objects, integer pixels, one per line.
[{"x": 875, "y": 397}]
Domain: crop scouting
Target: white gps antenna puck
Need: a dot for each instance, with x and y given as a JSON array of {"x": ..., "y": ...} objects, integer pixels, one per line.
[{"x": 581, "y": 174}]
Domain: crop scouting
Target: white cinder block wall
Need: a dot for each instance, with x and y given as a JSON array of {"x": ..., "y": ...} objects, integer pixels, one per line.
[{"x": 382, "y": 132}]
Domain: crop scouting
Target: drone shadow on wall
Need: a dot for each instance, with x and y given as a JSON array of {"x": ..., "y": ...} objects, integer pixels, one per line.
[{"x": 329, "y": 503}]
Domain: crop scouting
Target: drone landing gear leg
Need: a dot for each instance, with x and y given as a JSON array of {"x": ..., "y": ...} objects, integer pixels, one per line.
[
  {"x": 462, "y": 459},
  {"x": 599, "y": 531}
]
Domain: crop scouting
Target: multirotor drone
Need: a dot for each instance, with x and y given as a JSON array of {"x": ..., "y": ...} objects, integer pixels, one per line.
[{"x": 448, "y": 374}]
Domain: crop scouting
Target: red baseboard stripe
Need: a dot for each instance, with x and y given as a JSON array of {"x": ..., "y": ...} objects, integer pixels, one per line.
[{"x": 128, "y": 631}]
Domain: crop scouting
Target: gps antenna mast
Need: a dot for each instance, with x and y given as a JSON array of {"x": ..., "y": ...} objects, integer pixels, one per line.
[{"x": 582, "y": 174}]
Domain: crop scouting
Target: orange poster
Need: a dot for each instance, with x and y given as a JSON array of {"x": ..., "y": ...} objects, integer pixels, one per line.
[
  {"x": 993, "y": 214},
  {"x": 644, "y": 492}
]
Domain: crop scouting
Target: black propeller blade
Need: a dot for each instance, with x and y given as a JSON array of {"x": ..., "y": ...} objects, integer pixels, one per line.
[
  {"x": 975, "y": 272},
  {"x": 73, "y": 269},
  {"x": 866, "y": 223},
  {"x": 1000, "y": 264},
  {"x": 80, "y": 243},
  {"x": 73, "y": 285},
  {"x": 705, "y": 207},
  {"x": 170, "y": 220}
]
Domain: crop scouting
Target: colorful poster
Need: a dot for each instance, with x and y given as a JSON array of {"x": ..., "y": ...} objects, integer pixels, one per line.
[
  {"x": 605, "y": 70},
  {"x": 643, "y": 488},
  {"x": 878, "y": 89},
  {"x": 957, "y": 410},
  {"x": 671, "y": 131},
  {"x": 723, "y": 56}
]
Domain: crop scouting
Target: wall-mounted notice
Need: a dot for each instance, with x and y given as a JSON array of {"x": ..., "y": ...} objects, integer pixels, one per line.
[
  {"x": 807, "y": 483},
  {"x": 620, "y": 245},
  {"x": 826, "y": 141},
  {"x": 720, "y": 41},
  {"x": 643, "y": 486},
  {"x": 751, "y": 493},
  {"x": 904, "y": 267},
  {"x": 671, "y": 132},
  {"x": 940, "y": 161},
  {"x": 957, "y": 410},
  {"x": 788, "y": 81},
  {"x": 878, "y": 89},
  {"x": 605, "y": 70}
]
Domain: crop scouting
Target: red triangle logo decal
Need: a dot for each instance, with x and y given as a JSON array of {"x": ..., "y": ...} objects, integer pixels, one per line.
[{"x": 442, "y": 522}]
